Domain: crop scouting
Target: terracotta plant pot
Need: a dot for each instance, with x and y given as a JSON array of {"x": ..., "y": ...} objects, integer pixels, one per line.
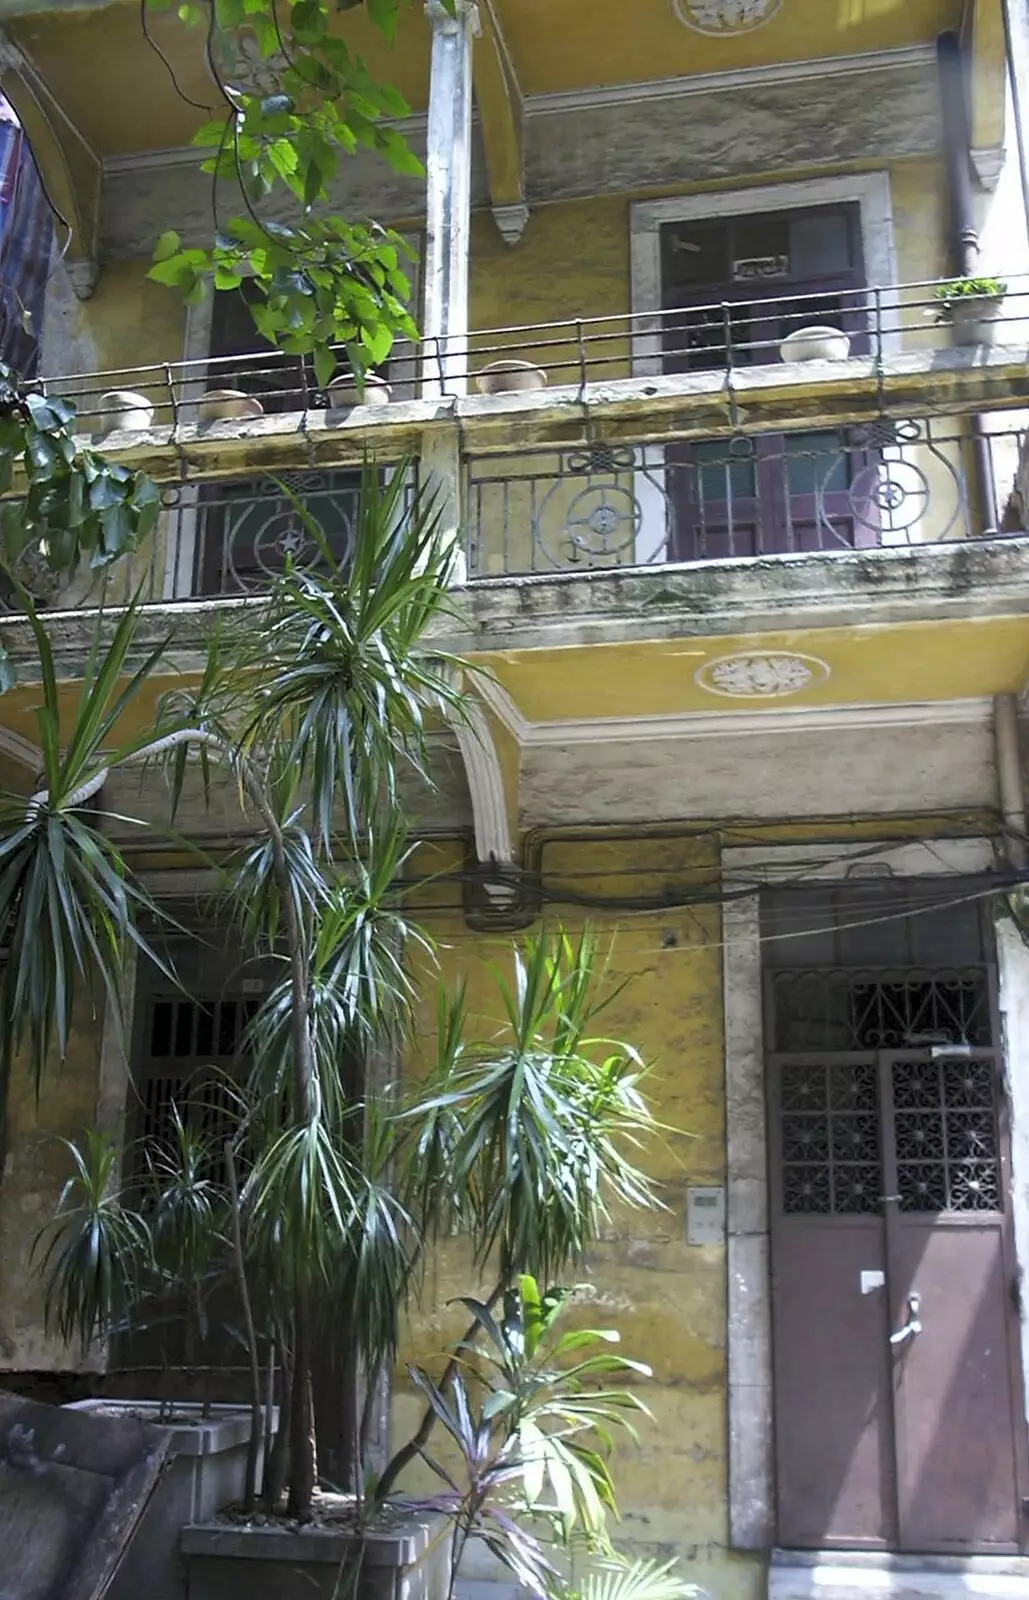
[
  {"x": 124, "y": 409},
  {"x": 224, "y": 405},
  {"x": 510, "y": 377},
  {"x": 344, "y": 392},
  {"x": 815, "y": 344}
]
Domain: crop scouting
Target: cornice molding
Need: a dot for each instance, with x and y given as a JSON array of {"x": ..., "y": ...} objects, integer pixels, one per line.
[
  {"x": 726, "y": 724},
  {"x": 741, "y": 78},
  {"x": 648, "y": 90}
]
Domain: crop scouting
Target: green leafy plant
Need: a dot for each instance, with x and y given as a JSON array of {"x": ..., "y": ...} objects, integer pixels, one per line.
[
  {"x": 956, "y": 290},
  {"x": 63, "y": 503},
  {"x": 525, "y": 1140},
  {"x": 94, "y": 1259},
  {"x": 531, "y": 1412},
  {"x": 619, "y": 1578},
  {"x": 320, "y": 282}
]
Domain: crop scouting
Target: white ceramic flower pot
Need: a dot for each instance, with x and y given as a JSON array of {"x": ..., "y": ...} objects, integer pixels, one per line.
[
  {"x": 973, "y": 320},
  {"x": 229, "y": 405},
  {"x": 344, "y": 392},
  {"x": 510, "y": 377},
  {"x": 124, "y": 409},
  {"x": 815, "y": 344}
]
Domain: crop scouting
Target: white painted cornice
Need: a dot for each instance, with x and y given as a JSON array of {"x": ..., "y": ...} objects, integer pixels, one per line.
[
  {"x": 191, "y": 155},
  {"x": 726, "y": 724},
  {"x": 493, "y": 843},
  {"x": 740, "y": 80}
]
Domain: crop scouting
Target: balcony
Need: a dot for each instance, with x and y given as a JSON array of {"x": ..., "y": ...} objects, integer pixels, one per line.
[{"x": 675, "y": 440}]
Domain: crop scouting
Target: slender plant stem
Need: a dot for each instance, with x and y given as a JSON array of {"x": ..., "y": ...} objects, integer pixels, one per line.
[
  {"x": 254, "y": 1444},
  {"x": 411, "y": 1450}
]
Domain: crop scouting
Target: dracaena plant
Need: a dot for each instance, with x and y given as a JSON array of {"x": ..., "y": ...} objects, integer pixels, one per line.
[
  {"x": 530, "y": 1411},
  {"x": 330, "y": 696},
  {"x": 325, "y": 1196}
]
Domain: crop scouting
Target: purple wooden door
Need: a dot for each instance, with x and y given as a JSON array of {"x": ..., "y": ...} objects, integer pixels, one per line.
[
  {"x": 956, "y": 1383},
  {"x": 898, "y": 1403},
  {"x": 734, "y": 290}
]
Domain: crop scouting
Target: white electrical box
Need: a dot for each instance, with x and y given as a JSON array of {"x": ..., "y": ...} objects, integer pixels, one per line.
[{"x": 705, "y": 1215}]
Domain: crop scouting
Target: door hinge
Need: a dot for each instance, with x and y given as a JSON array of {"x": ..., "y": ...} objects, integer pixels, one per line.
[
  {"x": 1024, "y": 1503},
  {"x": 1015, "y": 1290}
]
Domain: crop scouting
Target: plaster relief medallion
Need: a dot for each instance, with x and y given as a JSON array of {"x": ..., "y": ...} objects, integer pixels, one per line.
[
  {"x": 720, "y": 17},
  {"x": 761, "y": 677}
]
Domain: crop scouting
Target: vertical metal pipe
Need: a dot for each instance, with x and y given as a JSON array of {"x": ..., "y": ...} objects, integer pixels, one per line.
[
  {"x": 964, "y": 239},
  {"x": 448, "y": 166},
  {"x": 1016, "y": 108},
  {"x": 1010, "y": 781}
]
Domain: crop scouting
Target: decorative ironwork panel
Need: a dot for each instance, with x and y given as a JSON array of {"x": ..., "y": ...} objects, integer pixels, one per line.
[
  {"x": 830, "y": 1138},
  {"x": 240, "y": 534},
  {"x": 629, "y": 505},
  {"x": 945, "y": 1121},
  {"x": 840, "y": 1009}
]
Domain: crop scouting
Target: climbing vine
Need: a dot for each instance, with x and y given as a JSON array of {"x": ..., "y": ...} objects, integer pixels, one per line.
[{"x": 295, "y": 101}]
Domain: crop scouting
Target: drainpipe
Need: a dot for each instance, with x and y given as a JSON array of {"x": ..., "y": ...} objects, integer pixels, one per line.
[
  {"x": 1011, "y": 60},
  {"x": 964, "y": 240},
  {"x": 1010, "y": 780}
]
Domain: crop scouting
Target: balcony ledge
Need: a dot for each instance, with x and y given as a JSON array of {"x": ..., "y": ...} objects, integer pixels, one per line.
[
  {"x": 978, "y": 579},
  {"x": 698, "y": 405}
]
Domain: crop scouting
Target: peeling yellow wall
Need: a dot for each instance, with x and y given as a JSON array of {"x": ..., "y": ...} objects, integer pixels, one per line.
[
  {"x": 128, "y": 321},
  {"x": 667, "y": 1298},
  {"x": 34, "y": 1173},
  {"x": 571, "y": 262}
]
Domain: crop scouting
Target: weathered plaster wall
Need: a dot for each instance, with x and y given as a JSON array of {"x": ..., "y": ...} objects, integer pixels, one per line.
[
  {"x": 128, "y": 321},
  {"x": 644, "y": 141},
  {"x": 572, "y": 261},
  {"x": 34, "y": 1172},
  {"x": 841, "y": 771},
  {"x": 666, "y": 1297}
]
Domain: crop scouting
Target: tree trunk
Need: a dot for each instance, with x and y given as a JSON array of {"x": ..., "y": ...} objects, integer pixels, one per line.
[{"x": 303, "y": 1465}]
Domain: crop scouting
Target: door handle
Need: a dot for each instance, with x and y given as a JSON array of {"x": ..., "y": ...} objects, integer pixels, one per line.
[{"x": 912, "y": 1322}]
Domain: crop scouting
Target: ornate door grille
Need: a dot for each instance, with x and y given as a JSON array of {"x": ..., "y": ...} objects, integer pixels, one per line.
[
  {"x": 903, "y": 1008},
  {"x": 940, "y": 1114}
]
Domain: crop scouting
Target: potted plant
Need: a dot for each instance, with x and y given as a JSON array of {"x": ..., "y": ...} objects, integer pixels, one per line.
[
  {"x": 350, "y": 389},
  {"x": 510, "y": 377},
  {"x": 815, "y": 344},
  {"x": 971, "y": 308},
  {"x": 228, "y": 405},
  {"x": 331, "y": 1193},
  {"x": 124, "y": 409}
]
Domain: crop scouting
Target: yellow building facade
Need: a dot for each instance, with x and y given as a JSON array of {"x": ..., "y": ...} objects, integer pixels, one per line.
[{"x": 752, "y": 645}]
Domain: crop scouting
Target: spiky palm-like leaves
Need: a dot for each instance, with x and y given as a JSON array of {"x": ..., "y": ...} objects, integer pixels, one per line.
[
  {"x": 97, "y": 1252},
  {"x": 530, "y": 1139},
  {"x": 532, "y": 1413},
  {"x": 344, "y": 680},
  {"x": 69, "y": 909},
  {"x": 526, "y": 1140}
]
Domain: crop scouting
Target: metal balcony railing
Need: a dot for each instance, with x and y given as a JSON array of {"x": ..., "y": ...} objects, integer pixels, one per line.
[
  {"x": 568, "y": 493},
  {"x": 755, "y": 494},
  {"x": 727, "y": 337}
]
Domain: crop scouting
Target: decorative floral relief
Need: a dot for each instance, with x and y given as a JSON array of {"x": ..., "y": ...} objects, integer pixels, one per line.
[
  {"x": 725, "y": 16},
  {"x": 761, "y": 677}
]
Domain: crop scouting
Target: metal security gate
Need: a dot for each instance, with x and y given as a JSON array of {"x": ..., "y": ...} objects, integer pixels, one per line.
[{"x": 898, "y": 1405}]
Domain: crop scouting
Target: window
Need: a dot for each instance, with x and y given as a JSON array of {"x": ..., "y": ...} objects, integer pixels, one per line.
[{"x": 732, "y": 289}]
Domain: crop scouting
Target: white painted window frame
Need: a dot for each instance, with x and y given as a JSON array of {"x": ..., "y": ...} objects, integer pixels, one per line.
[
  {"x": 749, "y": 1310},
  {"x": 870, "y": 191}
]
